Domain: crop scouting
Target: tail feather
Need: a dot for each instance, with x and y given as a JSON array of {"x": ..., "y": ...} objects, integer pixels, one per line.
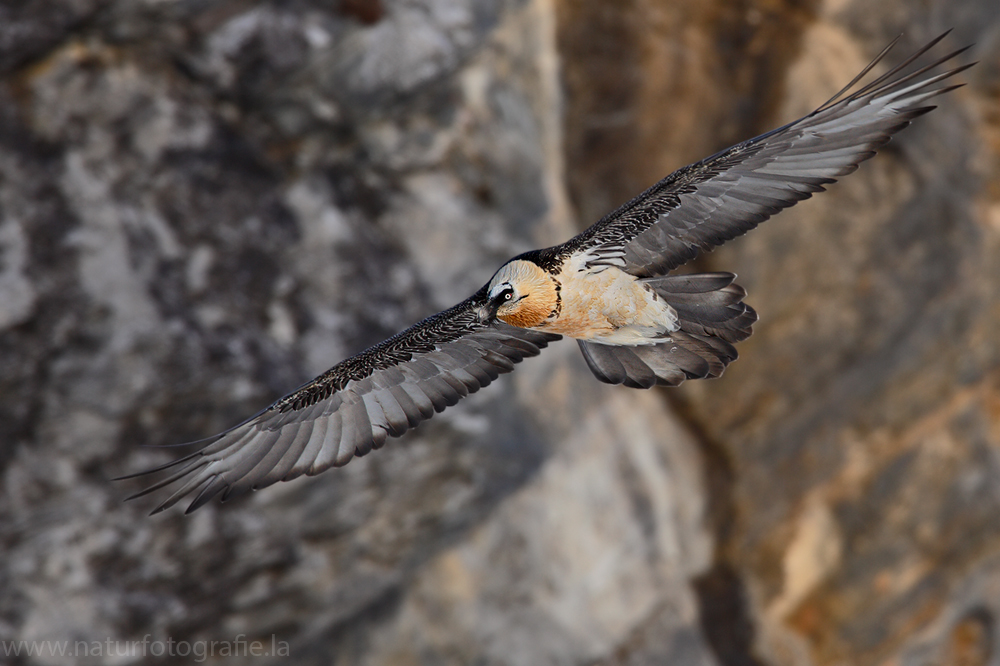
[
  {"x": 708, "y": 304},
  {"x": 712, "y": 317},
  {"x": 637, "y": 367}
]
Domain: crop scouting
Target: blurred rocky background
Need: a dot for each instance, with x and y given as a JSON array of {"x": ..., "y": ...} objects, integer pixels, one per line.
[{"x": 204, "y": 203}]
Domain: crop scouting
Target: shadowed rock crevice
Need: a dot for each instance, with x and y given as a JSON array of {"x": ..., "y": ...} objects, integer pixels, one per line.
[
  {"x": 725, "y": 612},
  {"x": 726, "y": 616}
]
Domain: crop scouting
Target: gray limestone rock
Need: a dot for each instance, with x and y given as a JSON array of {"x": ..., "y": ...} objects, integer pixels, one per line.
[{"x": 203, "y": 204}]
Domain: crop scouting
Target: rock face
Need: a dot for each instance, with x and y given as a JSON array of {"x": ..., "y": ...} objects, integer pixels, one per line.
[
  {"x": 854, "y": 445},
  {"x": 204, "y": 204}
]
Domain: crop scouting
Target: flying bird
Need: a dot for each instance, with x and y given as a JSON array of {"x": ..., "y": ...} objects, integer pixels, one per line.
[{"x": 611, "y": 288}]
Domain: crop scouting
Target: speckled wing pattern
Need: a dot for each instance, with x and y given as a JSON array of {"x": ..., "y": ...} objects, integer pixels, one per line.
[
  {"x": 353, "y": 407},
  {"x": 707, "y": 203}
]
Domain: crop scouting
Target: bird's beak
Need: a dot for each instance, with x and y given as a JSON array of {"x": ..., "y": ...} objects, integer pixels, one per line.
[{"x": 488, "y": 313}]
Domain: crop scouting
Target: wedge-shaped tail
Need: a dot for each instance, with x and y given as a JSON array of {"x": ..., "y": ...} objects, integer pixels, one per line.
[{"x": 712, "y": 316}]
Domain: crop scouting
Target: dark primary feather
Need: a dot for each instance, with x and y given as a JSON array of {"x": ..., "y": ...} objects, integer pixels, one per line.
[
  {"x": 353, "y": 407},
  {"x": 709, "y": 202}
]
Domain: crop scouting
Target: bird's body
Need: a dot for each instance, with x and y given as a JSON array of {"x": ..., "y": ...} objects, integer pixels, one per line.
[
  {"x": 612, "y": 288},
  {"x": 602, "y": 304}
]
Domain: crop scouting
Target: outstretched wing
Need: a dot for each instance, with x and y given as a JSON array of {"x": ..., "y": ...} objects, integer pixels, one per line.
[
  {"x": 353, "y": 407},
  {"x": 712, "y": 201}
]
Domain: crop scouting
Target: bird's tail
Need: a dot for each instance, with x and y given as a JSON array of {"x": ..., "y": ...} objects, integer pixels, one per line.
[{"x": 712, "y": 317}]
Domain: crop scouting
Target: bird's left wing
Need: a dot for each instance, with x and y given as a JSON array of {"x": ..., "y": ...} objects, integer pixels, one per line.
[
  {"x": 353, "y": 407},
  {"x": 712, "y": 201}
]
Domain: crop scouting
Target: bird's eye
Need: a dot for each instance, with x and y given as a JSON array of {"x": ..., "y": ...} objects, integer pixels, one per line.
[{"x": 501, "y": 294}]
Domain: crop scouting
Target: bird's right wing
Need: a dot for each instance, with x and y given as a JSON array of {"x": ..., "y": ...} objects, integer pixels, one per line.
[
  {"x": 709, "y": 202},
  {"x": 353, "y": 407}
]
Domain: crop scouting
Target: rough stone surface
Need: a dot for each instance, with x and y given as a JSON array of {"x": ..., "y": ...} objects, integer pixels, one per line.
[
  {"x": 203, "y": 204},
  {"x": 853, "y": 449}
]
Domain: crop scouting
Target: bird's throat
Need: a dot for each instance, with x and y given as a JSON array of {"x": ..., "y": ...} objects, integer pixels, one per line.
[{"x": 531, "y": 314}]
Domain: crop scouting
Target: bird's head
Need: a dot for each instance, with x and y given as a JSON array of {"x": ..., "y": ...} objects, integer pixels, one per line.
[{"x": 521, "y": 294}]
